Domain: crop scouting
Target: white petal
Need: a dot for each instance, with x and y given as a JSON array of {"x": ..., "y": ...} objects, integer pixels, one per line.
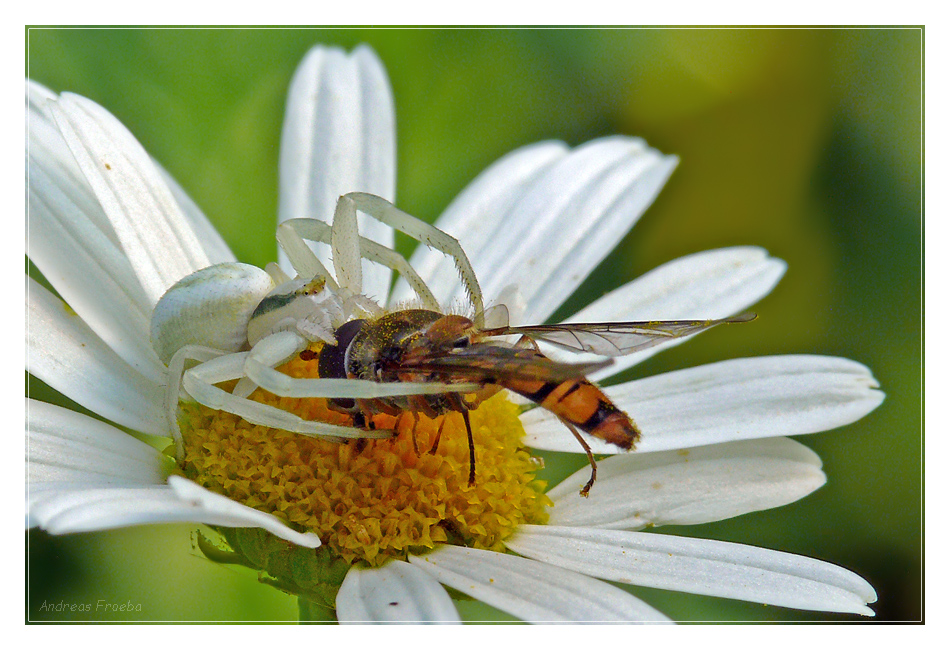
[
  {"x": 46, "y": 498},
  {"x": 70, "y": 241},
  {"x": 67, "y": 355},
  {"x": 146, "y": 218},
  {"x": 64, "y": 510},
  {"x": 476, "y": 213},
  {"x": 561, "y": 227},
  {"x": 397, "y": 592},
  {"x": 699, "y": 566},
  {"x": 711, "y": 284},
  {"x": 532, "y": 591},
  {"x": 65, "y": 447},
  {"x": 692, "y": 486},
  {"x": 89, "y": 272},
  {"x": 219, "y": 510},
  {"x": 47, "y": 149},
  {"x": 339, "y": 137},
  {"x": 71, "y": 509},
  {"x": 45, "y": 146},
  {"x": 731, "y": 400}
]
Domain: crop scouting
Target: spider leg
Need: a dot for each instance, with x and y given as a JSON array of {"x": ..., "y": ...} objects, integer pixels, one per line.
[
  {"x": 318, "y": 231},
  {"x": 345, "y": 245},
  {"x": 385, "y": 212},
  {"x": 315, "y": 327},
  {"x": 276, "y": 273},
  {"x": 304, "y": 260},
  {"x": 199, "y": 382},
  {"x": 176, "y": 369},
  {"x": 273, "y": 350}
]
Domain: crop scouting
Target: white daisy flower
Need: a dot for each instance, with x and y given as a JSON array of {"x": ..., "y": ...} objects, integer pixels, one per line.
[{"x": 393, "y": 520}]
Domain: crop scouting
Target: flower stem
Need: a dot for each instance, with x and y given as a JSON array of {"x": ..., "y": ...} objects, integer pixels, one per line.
[{"x": 312, "y": 613}]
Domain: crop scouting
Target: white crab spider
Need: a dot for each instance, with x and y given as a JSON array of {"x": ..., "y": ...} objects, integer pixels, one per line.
[{"x": 237, "y": 321}]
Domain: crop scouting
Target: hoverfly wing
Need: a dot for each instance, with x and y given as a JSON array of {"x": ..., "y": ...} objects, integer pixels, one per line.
[
  {"x": 615, "y": 339},
  {"x": 493, "y": 364}
]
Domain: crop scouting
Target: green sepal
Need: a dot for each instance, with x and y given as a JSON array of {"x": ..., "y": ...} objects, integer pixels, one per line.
[{"x": 312, "y": 574}]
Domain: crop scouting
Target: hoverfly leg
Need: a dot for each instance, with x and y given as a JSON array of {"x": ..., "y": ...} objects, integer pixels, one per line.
[
  {"x": 412, "y": 429},
  {"x": 528, "y": 343},
  {"x": 360, "y": 422},
  {"x": 457, "y": 403},
  {"x": 362, "y": 413},
  {"x": 438, "y": 436},
  {"x": 474, "y": 400},
  {"x": 585, "y": 491},
  {"x": 471, "y": 449}
]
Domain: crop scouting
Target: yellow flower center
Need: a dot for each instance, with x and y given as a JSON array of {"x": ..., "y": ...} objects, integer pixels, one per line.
[{"x": 371, "y": 500}]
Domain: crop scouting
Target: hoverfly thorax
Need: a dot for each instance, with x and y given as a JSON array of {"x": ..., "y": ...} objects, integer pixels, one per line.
[
  {"x": 377, "y": 350},
  {"x": 441, "y": 337}
]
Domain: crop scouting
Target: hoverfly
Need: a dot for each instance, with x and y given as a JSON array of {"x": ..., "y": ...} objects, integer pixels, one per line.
[
  {"x": 419, "y": 345},
  {"x": 448, "y": 363}
]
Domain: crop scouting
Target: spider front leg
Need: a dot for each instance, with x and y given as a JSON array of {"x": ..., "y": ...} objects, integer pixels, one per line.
[
  {"x": 282, "y": 346},
  {"x": 211, "y": 315},
  {"x": 199, "y": 382},
  {"x": 385, "y": 212}
]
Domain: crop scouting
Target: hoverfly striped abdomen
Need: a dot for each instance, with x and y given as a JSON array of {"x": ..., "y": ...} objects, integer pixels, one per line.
[{"x": 581, "y": 403}]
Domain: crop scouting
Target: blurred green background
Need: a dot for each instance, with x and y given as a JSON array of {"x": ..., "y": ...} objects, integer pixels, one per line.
[{"x": 806, "y": 142}]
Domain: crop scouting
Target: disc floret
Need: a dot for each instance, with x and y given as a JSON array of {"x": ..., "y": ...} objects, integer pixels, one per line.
[{"x": 372, "y": 500}]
